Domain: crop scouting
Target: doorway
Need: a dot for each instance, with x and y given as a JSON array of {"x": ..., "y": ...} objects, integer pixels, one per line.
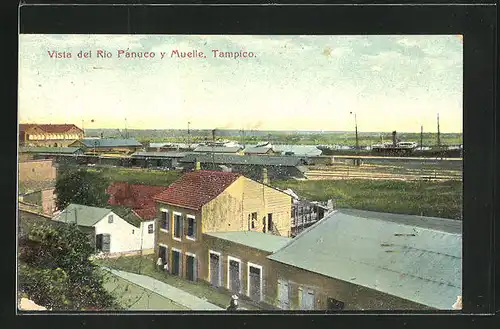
[
  {"x": 191, "y": 267},
  {"x": 215, "y": 269},
  {"x": 234, "y": 277},
  {"x": 255, "y": 282},
  {"x": 176, "y": 262},
  {"x": 284, "y": 295}
]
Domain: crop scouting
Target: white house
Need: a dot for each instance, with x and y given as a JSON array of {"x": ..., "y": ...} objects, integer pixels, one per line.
[{"x": 112, "y": 233}]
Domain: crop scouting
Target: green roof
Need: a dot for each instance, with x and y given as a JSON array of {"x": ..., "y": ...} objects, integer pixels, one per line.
[
  {"x": 416, "y": 258},
  {"x": 82, "y": 215},
  {"x": 256, "y": 240},
  {"x": 58, "y": 150}
]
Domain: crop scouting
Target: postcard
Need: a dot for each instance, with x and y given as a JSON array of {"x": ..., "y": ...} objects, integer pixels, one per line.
[{"x": 240, "y": 172}]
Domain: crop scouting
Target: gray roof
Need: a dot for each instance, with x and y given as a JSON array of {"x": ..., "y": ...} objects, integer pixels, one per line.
[
  {"x": 256, "y": 240},
  {"x": 265, "y": 160},
  {"x": 300, "y": 150},
  {"x": 82, "y": 215},
  {"x": 157, "y": 145},
  {"x": 417, "y": 259},
  {"x": 110, "y": 142},
  {"x": 258, "y": 150},
  {"x": 159, "y": 154},
  {"x": 217, "y": 149},
  {"x": 57, "y": 150}
]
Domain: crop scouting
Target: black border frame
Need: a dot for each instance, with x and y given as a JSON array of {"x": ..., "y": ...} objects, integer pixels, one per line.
[{"x": 476, "y": 22}]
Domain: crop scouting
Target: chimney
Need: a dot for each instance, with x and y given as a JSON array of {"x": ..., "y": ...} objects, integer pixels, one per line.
[
  {"x": 394, "y": 142},
  {"x": 197, "y": 165},
  {"x": 265, "y": 178},
  {"x": 213, "y": 135}
]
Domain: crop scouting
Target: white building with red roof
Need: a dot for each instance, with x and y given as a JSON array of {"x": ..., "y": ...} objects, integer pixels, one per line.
[{"x": 137, "y": 199}]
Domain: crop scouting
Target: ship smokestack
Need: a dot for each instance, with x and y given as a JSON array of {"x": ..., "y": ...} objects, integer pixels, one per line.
[{"x": 394, "y": 141}]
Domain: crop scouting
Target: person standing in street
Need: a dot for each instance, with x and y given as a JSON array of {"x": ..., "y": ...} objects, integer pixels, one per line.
[{"x": 233, "y": 305}]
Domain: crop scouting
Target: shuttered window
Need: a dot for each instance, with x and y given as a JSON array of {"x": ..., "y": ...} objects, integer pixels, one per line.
[
  {"x": 191, "y": 229},
  {"x": 150, "y": 228},
  {"x": 164, "y": 221},
  {"x": 283, "y": 295},
  {"x": 307, "y": 299},
  {"x": 106, "y": 242},
  {"x": 178, "y": 227}
]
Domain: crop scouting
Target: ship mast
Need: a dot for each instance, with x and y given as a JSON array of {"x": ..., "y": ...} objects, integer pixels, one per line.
[{"x": 439, "y": 132}]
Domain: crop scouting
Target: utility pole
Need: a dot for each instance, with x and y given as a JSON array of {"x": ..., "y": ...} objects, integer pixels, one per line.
[
  {"x": 188, "y": 139},
  {"x": 126, "y": 130},
  {"x": 356, "y": 130},
  {"x": 439, "y": 132},
  {"x": 421, "y": 137}
]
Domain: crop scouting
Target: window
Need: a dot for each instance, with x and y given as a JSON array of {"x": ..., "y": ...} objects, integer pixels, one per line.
[
  {"x": 133, "y": 231},
  {"x": 110, "y": 219},
  {"x": 254, "y": 219},
  {"x": 177, "y": 226},
  {"x": 191, "y": 230},
  {"x": 270, "y": 222},
  {"x": 307, "y": 300},
  {"x": 150, "y": 228},
  {"x": 164, "y": 220}
]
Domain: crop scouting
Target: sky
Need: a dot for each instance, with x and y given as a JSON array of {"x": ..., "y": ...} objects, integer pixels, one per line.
[{"x": 397, "y": 82}]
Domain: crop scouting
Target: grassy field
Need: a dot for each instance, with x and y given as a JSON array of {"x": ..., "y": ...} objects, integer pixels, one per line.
[
  {"x": 133, "y": 297},
  {"x": 435, "y": 199},
  {"x": 139, "y": 176},
  {"x": 145, "y": 265}
]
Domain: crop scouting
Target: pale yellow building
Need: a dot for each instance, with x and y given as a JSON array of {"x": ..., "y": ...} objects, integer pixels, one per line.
[{"x": 212, "y": 201}]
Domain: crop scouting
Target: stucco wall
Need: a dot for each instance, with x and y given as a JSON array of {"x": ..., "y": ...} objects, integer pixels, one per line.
[
  {"x": 148, "y": 239},
  {"x": 124, "y": 236},
  {"x": 225, "y": 212},
  {"x": 245, "y": 255},
  {"x": 232, "y": 210},
  {"x": 36, "y": 171},
  {"x": 265, "y": 200},
  {"x": 165, "y": 238},
  {"x": 354, "y": 297}
]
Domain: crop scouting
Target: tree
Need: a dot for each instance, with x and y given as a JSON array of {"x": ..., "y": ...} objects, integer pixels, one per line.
[
  {"x": 81, "y": 187},
  {"x": 55, "y": 270}
]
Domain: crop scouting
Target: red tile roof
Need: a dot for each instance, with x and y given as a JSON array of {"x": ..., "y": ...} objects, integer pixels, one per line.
[
  {"x": 197, "y": 188},
  {"x": 49, "y": 128},
  {"x": 135, "y": 196}
]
